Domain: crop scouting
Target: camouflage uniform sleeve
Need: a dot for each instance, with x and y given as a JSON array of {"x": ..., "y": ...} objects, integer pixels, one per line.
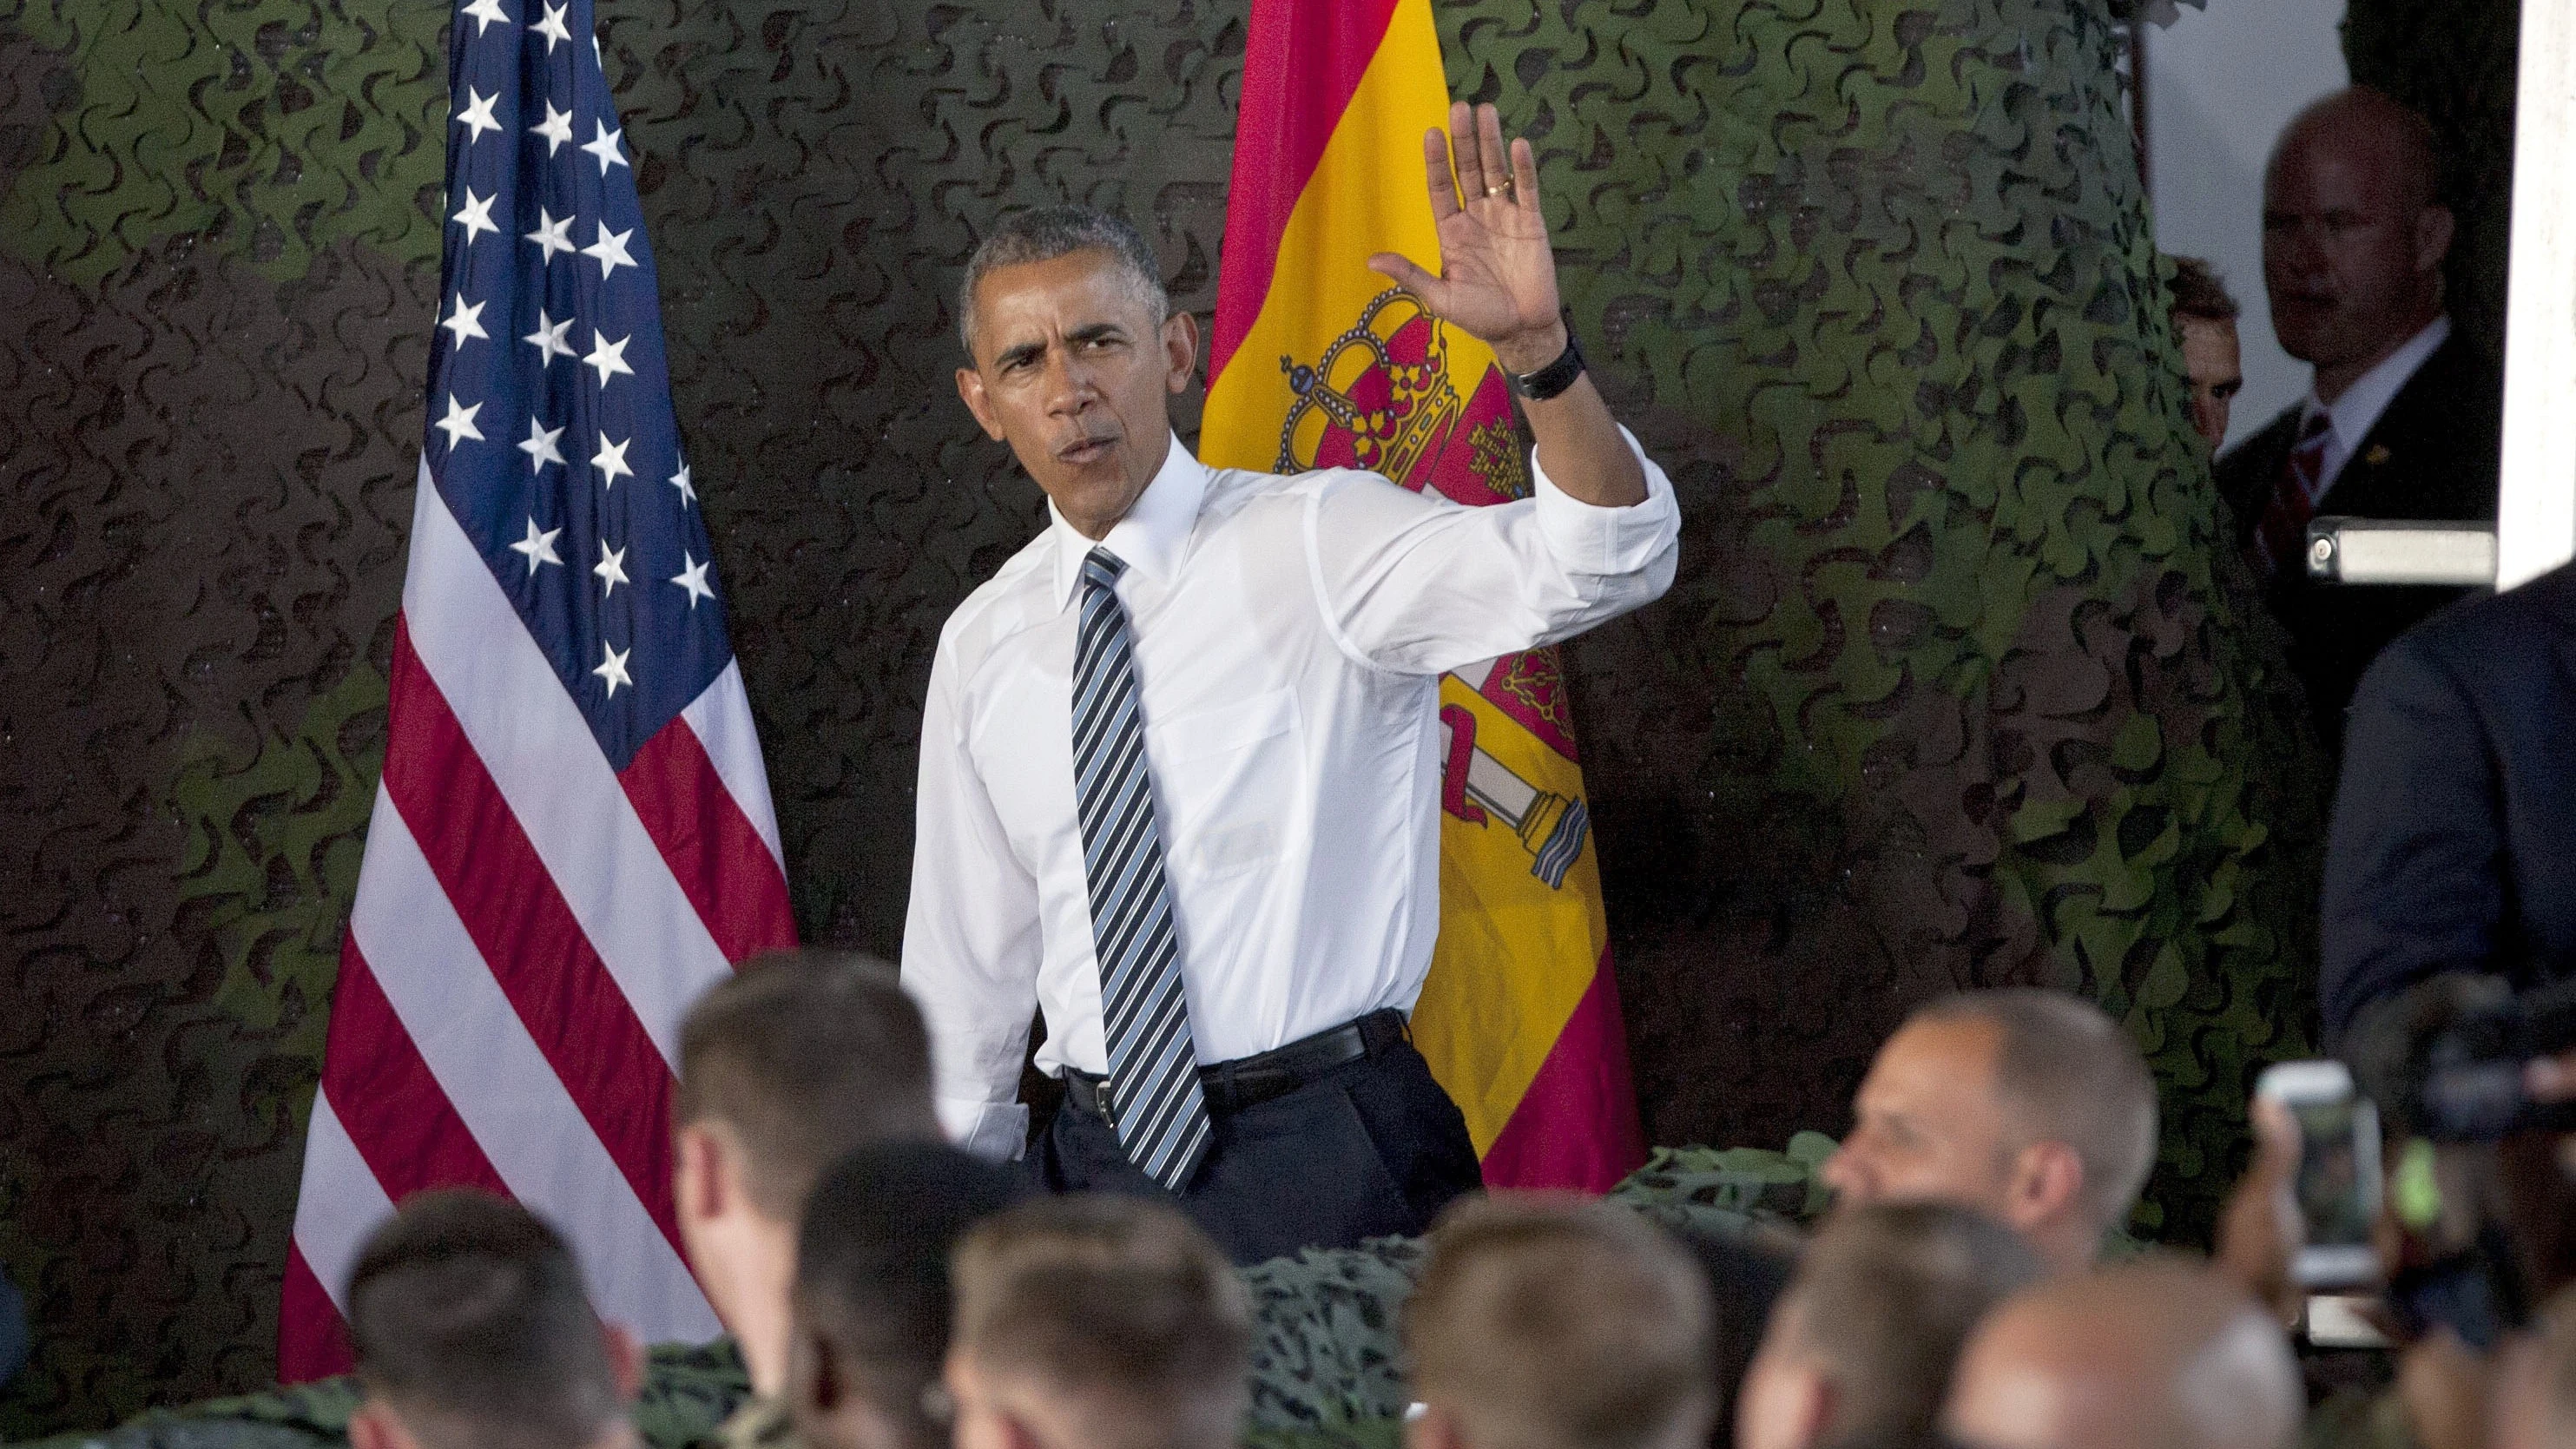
[{"x": 694, "y": 1397}]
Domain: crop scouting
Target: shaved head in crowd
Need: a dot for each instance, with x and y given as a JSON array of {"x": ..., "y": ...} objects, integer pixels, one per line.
[
  {"x": 800, "y": 1058},
  {"x": 2156, "y": 1354},
  {"x": 1546, "y": 1322},
  {"x": 1097, "y": 1322},
  {"x": 472, "y": 1331},
  {"x": 872, "y": 1292},
  {"x": 1862, "y": 1345},
  {"x": 2028, "y": 1105},
  {"x": 785, "y": 1066}
]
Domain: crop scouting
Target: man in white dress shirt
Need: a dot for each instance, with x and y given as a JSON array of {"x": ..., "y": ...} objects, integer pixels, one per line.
[
  {"x": 1179, "y": 763},
  {"x": 2401, "y": 419}
]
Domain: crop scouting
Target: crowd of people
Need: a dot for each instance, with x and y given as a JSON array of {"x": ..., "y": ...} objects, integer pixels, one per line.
[{"x": 889, "y": 1290}]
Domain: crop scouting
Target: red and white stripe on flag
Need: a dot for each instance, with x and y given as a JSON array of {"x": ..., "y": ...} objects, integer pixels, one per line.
[{"x": 530, "y": 926}]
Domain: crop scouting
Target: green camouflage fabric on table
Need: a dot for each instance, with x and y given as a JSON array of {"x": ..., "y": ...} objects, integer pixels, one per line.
[{"x": 1726, "y": 1186}]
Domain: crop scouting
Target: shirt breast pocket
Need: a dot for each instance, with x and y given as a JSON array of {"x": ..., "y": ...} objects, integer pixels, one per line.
[{"x": 1230, "y": 780}]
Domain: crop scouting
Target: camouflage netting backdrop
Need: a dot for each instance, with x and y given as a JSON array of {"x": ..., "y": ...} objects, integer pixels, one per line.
[{"x": 1953, "y": 689}]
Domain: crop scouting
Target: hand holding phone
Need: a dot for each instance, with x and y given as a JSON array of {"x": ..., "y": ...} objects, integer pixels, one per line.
[
  {"x": 2337, "y": 1186},
  {"x": 2260, "y": 1230}
]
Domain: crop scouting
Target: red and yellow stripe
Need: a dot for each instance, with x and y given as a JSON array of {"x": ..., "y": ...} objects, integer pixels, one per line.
[{"x": 1318, "y": 361}]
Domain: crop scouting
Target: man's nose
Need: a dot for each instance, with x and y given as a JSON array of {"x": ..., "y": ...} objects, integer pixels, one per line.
[
  {"x": 2303, "y": 249},
  {"x": 1070, "y": 387}
]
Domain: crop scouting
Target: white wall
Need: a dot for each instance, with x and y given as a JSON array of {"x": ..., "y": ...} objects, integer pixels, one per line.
[{"x": 2221, "y": 83}]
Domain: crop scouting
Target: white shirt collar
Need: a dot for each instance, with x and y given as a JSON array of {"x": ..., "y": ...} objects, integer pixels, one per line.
[
  {"x": 2356, "y": 412},
  {"x": 1153, "y": 536}
]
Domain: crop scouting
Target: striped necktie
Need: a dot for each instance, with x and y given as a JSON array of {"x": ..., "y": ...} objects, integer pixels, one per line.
[
  {"x": 1153, "y": 1094},
  {"x": 2281, "y": 538}
]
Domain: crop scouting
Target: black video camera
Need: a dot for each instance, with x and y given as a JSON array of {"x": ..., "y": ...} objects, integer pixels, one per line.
[{"x": 2445, "y": 1057}]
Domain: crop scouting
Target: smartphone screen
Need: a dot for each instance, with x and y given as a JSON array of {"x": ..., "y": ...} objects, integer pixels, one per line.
[
  {"x": 2338, "y": 1184},
  {"x": 2336, "y": 1198}
]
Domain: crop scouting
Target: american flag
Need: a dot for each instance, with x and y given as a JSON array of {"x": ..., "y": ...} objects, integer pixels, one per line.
[{"x": 573, "y": 836}]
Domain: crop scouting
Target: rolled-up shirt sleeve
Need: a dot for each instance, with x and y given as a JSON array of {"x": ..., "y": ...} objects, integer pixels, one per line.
[
  {"x": 1416, "y": 583},
  {"x": 971, "y": 945}
]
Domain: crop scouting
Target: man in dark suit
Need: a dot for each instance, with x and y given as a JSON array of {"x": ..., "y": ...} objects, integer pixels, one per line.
[
  {"x": 2454, "y": 839},
  {"x": 2401, "y": 420}
]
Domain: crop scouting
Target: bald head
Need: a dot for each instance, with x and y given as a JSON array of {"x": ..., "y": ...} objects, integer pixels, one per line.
[
  {"x": 2354, "y": 233},
  {"x": 2367, "y": 130},
  {"x": 2161, "y": 1354}
]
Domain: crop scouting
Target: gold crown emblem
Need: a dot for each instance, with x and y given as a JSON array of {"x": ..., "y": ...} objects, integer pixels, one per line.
[{"x": 1379, "y": 398}]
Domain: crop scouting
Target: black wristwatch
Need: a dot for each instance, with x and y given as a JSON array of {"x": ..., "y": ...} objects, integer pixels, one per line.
[{"x": 1552, "y": 379}]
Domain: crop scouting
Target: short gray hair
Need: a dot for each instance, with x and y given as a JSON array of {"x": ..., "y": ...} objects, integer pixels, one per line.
[
  {"x": 2072, "y": 1075},
  {"x": 1048, "y": 232}
]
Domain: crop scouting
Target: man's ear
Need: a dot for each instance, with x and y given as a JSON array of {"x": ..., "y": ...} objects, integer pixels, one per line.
[
  {"x": 2435, "y": 226},
  {"x": 970, "y": 389},
  {"x": 625, "y": 1359},
  {"x": 2048, "y": 1183},
  {"x": 698, "y": 1180},
  {"x": 373, "y": 1426},
  {"x": 1180, "y": 352}
]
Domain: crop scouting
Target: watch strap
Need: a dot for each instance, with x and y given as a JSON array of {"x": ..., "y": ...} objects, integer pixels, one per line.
[{"x": 1552, "y": 379}]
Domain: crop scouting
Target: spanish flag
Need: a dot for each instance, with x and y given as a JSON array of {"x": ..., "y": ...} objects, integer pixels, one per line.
[{"x": 1321, "y": 363}]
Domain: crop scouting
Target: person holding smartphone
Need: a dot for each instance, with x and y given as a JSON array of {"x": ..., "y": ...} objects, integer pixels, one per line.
[{"x": 2489, "y": 1229}]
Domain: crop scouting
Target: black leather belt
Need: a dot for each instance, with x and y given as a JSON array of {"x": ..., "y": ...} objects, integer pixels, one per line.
[{"x": 1249, "y": 1081}]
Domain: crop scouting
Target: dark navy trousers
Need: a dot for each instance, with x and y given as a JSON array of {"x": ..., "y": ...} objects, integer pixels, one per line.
[{"x": 1370, "y": 1148}]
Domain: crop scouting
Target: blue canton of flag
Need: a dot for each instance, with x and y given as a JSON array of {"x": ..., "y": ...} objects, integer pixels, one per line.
[{"x": 551, "y": 433}]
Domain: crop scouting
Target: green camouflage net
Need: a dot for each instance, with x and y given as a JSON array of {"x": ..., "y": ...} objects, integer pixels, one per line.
[{"x": 267, "y": 129}]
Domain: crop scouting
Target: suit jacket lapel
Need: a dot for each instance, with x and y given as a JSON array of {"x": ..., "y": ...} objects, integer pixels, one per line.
[{"x": 2431, "y": 454}]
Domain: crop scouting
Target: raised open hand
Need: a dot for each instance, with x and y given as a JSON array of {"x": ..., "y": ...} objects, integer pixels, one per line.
[{"x": 1497, "y": 278}]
